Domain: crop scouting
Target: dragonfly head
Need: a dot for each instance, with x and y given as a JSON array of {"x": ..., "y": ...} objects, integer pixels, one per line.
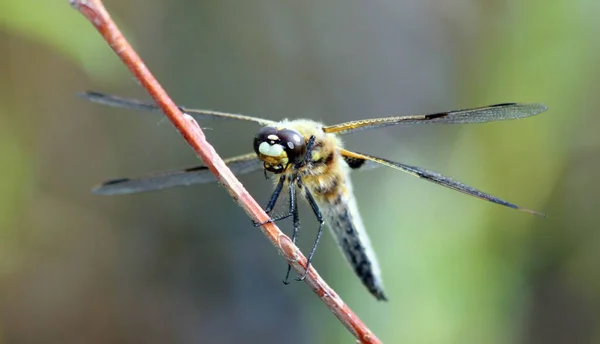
[{"x": 279, "y": 147}]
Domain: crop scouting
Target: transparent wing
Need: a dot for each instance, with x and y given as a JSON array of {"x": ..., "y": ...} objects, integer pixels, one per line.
[
  {"x": 498, "y": 112},
  {"x": 128, "y": 103},
  {"x": 239, "y": 165},
  {"x": 435, "y": 178}
]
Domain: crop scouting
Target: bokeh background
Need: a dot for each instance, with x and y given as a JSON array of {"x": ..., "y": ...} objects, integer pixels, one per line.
[{"x": 186, "y": 266}]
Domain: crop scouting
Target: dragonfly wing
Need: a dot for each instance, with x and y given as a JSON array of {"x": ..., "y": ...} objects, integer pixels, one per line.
[
  {"x": 134, "y": 104},
  {"x": 435, "y": 178},
  {"x": 240, "y": 165},
  {"x": 498, "y": 112}
]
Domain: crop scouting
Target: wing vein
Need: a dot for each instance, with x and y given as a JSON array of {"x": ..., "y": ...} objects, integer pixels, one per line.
[
  {"x": 437, "y": 178},
  {"x": 498, "y": 112},
  {"x": 135, "y": 104},
  {"x": 239, "y": 165}
]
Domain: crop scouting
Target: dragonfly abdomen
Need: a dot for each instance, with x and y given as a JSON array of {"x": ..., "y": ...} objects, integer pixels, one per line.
[{"x": 342, "y": 217}]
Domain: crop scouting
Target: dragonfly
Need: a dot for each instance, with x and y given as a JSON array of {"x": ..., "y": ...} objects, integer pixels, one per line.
[{"x": 307, "y": 160}]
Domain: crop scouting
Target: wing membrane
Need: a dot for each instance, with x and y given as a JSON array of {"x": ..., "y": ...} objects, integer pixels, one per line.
[
  {"x": 129, "y": 103},
  {"x": 498, "y": 112},
  {"x": 435, "y": 178},
  {"x": 243, "y": 164}
]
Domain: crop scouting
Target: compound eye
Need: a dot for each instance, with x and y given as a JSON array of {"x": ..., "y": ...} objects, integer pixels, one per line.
[
  {"x": 266, "y": 134},
  {"x": 294, "y": 145}
]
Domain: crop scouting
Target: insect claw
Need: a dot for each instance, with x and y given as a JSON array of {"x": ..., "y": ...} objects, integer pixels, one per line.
[
  {"x": 286, "y": 280},
  {"x": 303, "y": 277}
]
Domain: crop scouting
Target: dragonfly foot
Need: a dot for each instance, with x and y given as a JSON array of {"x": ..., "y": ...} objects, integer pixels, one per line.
[
  {"x": 303, "y": 277},
  {"x": 286, "y": 280}
]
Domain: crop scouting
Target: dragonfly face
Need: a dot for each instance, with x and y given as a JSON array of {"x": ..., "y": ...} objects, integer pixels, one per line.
[
  {"x": 278, "y": 148},
  {"x": 308, "y": 158}
]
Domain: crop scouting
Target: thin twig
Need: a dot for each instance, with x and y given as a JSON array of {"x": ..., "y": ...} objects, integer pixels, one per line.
[{"x": 95, "y": 12}]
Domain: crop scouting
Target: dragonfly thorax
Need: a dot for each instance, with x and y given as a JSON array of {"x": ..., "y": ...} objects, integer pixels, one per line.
[{"x": 279, "y": 147}]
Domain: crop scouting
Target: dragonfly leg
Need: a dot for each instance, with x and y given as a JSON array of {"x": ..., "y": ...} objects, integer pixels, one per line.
[
  {"x": 310, "y": 145},
  {"x": 272, "y": 201},
  {"x": 292, "y": 203},
  {"x": 275, "y": 195},
  {"x": 296, "y": 220},
  {"x": 317, "y": 211}
]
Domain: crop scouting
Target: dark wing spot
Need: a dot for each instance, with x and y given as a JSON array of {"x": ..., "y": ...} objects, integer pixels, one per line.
[
  {"x": 503, "y": 104},
  {"x": 354, "y": 163},
  {"x": 196, "y": 168},
  {"x": 436, "y": 115},
  {"x": 116, "y": 181}
]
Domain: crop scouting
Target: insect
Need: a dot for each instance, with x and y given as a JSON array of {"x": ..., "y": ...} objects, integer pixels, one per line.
[{"x": 310, "y": 162}]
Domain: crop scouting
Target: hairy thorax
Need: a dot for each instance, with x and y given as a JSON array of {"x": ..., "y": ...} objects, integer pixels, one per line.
[{"x": 326, "y": 171}]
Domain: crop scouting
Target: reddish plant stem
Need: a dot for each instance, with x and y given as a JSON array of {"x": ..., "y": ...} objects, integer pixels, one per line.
[{"x": 95, "y": 12}]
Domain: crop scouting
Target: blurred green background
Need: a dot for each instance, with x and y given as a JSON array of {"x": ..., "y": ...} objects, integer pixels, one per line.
[{"x": 186, "y": 266}]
